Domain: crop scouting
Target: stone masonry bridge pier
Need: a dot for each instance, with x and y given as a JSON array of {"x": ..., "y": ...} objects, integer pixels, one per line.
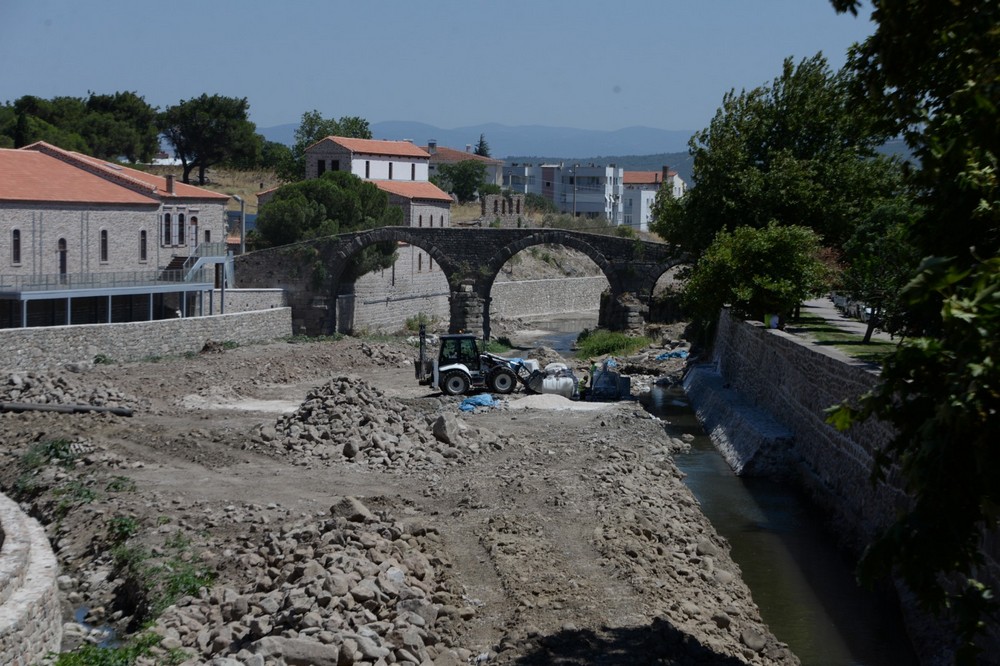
[{"x": 470, "y": 259}]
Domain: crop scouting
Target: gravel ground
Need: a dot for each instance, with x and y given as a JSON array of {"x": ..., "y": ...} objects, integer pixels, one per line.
[{"x": 347, "y": 515}]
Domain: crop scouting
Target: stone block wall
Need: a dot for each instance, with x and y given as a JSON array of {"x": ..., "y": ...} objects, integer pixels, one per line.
[
  {"x": 525, "y": 298},
  {"x": 24, "y": 349},
  {"x": 791, "y": 382},
  {"x": 30, "y": 612},
  {"x": 248, "y": 300}
]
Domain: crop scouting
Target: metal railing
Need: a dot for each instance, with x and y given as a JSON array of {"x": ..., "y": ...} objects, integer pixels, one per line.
[
  {"x": 108, "y": 280},
  {"x": 205, "y": 250}
]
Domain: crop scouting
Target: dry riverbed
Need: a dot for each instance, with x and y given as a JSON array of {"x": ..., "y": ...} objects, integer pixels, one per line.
[{"x": 310, "y": 503}]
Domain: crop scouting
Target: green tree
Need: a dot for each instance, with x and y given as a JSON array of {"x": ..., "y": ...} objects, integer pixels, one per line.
[
  {"x": 755, "y": 272},
  {"x": 462, "y": 178},
  {"x": 336, "y": 202},
  {"x": 482, "y": 148},
  {"x": 880, "y": 260},
  {"x": 312, "y": 128},
  {"x": 930, "y": 68},
  {"x": 209, "y": 130},
  {"x": 799, "y": 151},
  {"x": 120, "y": 125}
]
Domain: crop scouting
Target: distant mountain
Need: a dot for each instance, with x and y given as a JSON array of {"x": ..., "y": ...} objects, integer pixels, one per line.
[{"x": 571, "y": 143}]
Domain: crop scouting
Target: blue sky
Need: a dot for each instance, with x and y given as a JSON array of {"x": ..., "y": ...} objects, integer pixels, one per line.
[{"x": 450, "y": 63}]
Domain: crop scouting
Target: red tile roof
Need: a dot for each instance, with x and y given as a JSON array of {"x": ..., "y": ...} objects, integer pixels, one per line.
[
  {"x": 31, "y": 175},
  {"x": 378, "y": 147},
  {"x": 67, "y": 175},
  {"x": 413, "y": 189},
  {"x": 450, "y": 155},
  {"x": 644, "y": 177}
]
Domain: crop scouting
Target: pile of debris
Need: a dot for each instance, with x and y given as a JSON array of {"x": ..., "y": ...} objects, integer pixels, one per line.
[
  {"x": 353, "y": 587},
  {"x": 63, "y": 389},
  {"x": 349, "y": 420}
]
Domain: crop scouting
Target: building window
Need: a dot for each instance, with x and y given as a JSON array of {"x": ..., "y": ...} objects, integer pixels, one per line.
[
  {"x": 63, "y": 257},
  {"x": 420, "y": 262},
  {"x": 390, "y": 170},
  {"x": 430, "y": 263},
  {"x": 320, "y": 167},
  {"x": 517, "y": 205},
  {"x": 143, "y": 254},
  {"x": 420, "y": 220},
  {"x": 368, "y": 169},
  {"x": 208, "y": 235},
  {"x": 15, "y": 246},
  {"x": 168, "y": 231},
  {"x": 441, "y": 224},
  {"x": 334, "y": 165},
  {"x": 496, "y": 206},
  {"x": 194, "y": 229},
  {"x": 180, "y": 228},
  {"x": 104, "y": 246},
  {"x": 413, "y": 172}
]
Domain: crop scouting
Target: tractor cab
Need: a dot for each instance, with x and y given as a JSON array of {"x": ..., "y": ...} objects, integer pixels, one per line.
[{"x": 459, "y": 349}]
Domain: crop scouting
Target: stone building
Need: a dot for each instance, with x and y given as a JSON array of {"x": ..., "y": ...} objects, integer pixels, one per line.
[
  {"x": 639, "y": 194},
  {"x": 89, "y": 241}
]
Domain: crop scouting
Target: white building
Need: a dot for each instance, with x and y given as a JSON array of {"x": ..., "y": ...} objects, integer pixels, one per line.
[
  {"x": 581, "y": 190},
  {"x": 639, "y": 195}
]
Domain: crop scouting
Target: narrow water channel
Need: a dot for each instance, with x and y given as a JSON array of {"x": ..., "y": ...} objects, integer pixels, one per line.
[{"x": 803, "y": 585}]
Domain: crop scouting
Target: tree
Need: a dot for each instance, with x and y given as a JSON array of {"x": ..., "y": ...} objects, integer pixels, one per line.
[
  {"x": 120, "y": 125},
  {"x": 312, "y": 128},
  {"x": 756, "y": 272},
  {"x": 796, "y": 152},
  {"x": 209, "y": 130},
  {"x": 880, "y": 262},
  {"x": 930, "y": 69},
  {"x": 463, "y": 178},
  {"x": 482, "y": 148},
  {"x": 336, "y": 202}
]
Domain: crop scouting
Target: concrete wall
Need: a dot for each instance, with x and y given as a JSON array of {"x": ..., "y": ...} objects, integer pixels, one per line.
[
  {"x": 30, "y": 613},
  {"x": 37, "y": 348},
  {"x": 762, "y": 399}
]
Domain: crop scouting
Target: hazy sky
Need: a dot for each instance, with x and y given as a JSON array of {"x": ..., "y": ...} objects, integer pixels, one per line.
[{"x": 450, "y": 63}]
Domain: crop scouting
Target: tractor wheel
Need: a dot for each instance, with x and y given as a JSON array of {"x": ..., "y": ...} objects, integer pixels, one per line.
[
  {"x": 455, "y": 383},
  {"x": 501, "y": 380}
]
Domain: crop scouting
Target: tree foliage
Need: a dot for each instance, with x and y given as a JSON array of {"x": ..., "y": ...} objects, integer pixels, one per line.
[
  {"x": 312, "y": 128},
  {"x": 105, "y": 126},
  {"x": 482, "y": 148},
  {"x": 930, "y": 69},
  {"x": 797, "y": 152},
  {"x": 755, "y": 272},
  {"x": 336, "y": 202},
  {"x": 462, "y": 178},
  {"x": 209, "y": 130}
]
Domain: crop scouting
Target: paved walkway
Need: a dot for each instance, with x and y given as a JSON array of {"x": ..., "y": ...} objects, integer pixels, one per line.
[{"x": 823, "y": 307}]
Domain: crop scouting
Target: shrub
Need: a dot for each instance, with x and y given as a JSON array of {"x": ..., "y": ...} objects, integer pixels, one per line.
[{"x": 600, "y": 342}]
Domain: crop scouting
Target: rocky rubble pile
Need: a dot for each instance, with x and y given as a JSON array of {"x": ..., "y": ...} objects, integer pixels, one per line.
[
  {"x": 354, "y": 587},
  {"x": 62, "y": 389},
  {"x": 349, "y": 420}
]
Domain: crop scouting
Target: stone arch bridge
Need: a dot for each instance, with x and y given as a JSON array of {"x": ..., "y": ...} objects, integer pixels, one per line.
[{"x": 470, "y": 259}]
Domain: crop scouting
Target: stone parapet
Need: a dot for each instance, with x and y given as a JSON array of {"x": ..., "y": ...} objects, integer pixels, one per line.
[
  {"x": 31, "y": 349},
  {"x": 30, "y": 613}
]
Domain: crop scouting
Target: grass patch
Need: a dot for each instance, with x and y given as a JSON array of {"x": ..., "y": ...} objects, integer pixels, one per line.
[
  {"x": 140, "y": 645},
  {"x": 38, "y": 456},
  {"x": 599, "y": 342},
  {"x": 823, "y": 333},
  {"x": 498, "y": 345}
]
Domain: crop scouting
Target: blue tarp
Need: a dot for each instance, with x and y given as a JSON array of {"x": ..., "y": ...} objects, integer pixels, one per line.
[
  {"x": 677, "y": 353},
  {"x": 481, "y": 400}
]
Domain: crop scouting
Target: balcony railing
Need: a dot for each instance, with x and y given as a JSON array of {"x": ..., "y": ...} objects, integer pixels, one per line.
[{"x": 109, "y": 280}]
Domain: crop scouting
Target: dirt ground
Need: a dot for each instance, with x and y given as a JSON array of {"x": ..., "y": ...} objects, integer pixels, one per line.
[{"x": 348, "y": 515}]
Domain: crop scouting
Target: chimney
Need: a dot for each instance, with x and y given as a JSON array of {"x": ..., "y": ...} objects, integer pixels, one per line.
[
  {"x": 666, "y": 174},
  {"x": 432, "y": 146},
  {"x": 170, "y": 183}
]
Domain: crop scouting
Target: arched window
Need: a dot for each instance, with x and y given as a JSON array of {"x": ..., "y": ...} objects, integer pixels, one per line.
[
  {"x": 168, "y": 229},
  {"x": 63, "y": 267},
  {"x": 104, "y": 246},
  {"x": 180, "y": 228},
  {"x": 143, "y": 252},
  {"x": 194, "y": 230},
  {"x": 15, "y": 246}
]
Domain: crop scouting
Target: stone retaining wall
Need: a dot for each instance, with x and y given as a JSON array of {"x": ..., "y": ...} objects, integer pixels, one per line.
[
  {"x": 248, "y": 300},
  {"x": 762, "y": 400},
  {"x": 526, "y": 298},
  {"x": 29, "y": 349},
  {"x": 30, "y": 613}
]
